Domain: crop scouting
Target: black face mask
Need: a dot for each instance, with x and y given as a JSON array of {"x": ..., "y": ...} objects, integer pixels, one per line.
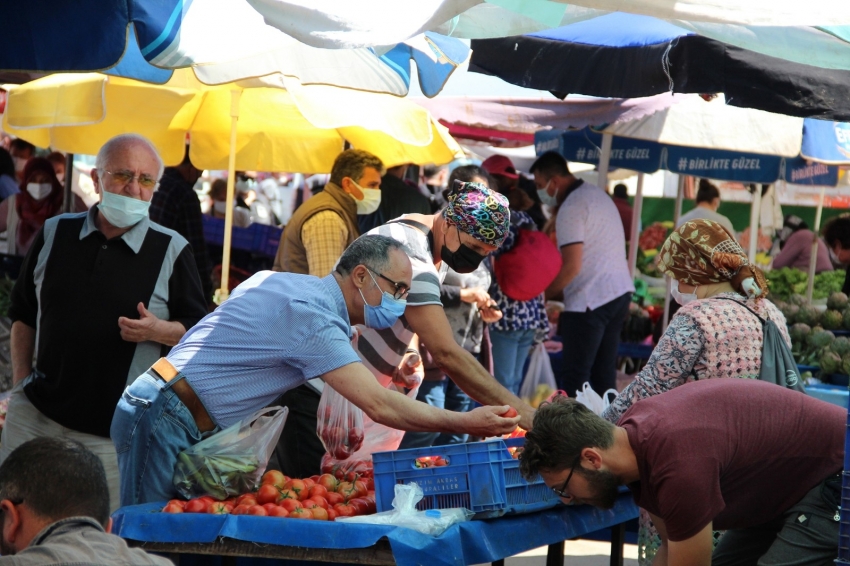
[{"x": 464, "y": 259}]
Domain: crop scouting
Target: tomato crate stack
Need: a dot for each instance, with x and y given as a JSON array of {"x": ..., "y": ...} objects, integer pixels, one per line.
[
  {"x": 844, "y": 525},
  {"x": 483, "y": 477}
]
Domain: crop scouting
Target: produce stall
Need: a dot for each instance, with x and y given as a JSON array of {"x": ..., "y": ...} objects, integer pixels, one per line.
[{"x": 471, "y": 542}]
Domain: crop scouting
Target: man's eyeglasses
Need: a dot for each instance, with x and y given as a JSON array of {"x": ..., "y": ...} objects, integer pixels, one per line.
[
  {"x": 562, "y": 492},
  {"x": 125, "y": 177},
  {"x": 401, "y": 289}
]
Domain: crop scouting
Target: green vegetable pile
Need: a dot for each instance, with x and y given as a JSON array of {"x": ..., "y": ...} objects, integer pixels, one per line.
[
  {"x": 788, "y": 281},
  {"x": 813, "y": 342},
  {"x": 219, "y": 476}
]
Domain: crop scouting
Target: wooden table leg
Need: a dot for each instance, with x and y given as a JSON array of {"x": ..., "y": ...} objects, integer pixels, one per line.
[
  {"x": 555, "y": 556},
  {"x": 618, "y": 536}
]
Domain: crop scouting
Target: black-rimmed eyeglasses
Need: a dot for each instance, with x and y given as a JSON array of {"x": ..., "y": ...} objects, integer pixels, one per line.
[
  {"x": 401, "y": 289},
  {"x": 562, "y": 492}
]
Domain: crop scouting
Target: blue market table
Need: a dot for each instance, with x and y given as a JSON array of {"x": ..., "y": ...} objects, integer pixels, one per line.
[{"x": 472, "y": 542}]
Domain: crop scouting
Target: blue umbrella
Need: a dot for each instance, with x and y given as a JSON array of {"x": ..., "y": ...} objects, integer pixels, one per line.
[
  {"x": 223, "y": 40},
  {"x": 626, "y": 56}
]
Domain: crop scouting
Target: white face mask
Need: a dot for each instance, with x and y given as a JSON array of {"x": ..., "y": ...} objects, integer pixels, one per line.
[
  {"x": 683, "y": 298},
  {"x": 371, "y": 200},
  {"x": 220, "y": 206},
  {"x": 545, "y": 197},
  {"x": 39, "y": 190}
]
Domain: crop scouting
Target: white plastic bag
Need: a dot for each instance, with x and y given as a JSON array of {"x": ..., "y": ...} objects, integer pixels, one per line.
[
  {"x": 232, "y": 461},
  {"x": 539, "y": 373},
  {"x": 404, "y": 514},
  {"x": 591, "y": 399}
]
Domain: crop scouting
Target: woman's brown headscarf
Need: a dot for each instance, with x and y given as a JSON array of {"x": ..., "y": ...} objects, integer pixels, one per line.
[{"x": 702, "y": 252}]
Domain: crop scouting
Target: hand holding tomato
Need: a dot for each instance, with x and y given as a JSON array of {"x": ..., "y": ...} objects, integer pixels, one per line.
[{"x": 487, "y": 421}]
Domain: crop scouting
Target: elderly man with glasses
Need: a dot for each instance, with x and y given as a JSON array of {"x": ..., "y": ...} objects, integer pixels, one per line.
[
  {"x": 101, "y": 295},
  {"x": 276, "y": 331}
]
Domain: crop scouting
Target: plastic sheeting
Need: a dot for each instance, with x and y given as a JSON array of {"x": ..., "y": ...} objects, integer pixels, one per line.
[{"x": 473, "y": 542}]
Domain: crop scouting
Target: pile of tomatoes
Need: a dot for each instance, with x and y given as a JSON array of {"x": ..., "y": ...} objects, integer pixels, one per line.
[{"x": 322, "y": 498}]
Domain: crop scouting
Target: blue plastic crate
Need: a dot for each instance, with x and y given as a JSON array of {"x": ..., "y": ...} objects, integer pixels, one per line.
[
  {"x": 480, "y": 476},
  {"x": 256, "y": 238}
]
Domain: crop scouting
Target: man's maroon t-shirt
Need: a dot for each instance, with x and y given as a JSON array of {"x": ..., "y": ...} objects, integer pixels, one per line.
[{"x": 735, "y": 452}]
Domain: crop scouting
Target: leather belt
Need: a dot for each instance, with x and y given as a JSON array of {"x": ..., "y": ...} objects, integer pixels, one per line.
[{"x": 167, "y": 372}]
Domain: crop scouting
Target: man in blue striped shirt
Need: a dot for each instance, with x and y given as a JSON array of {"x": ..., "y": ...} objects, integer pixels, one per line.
[{"x": 276, "y": 331}]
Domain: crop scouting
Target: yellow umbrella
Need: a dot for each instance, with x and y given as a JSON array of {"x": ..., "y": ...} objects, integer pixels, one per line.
[
  {"x": 282, "y": 127},
  {"x": 250, "y": 125}
]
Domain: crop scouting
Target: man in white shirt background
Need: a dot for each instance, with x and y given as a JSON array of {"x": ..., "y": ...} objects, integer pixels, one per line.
[{"x": 594, "y": 281}]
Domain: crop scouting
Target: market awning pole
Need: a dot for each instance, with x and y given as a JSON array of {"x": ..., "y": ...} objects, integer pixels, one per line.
[
  {"x": 677, "y": 212},
  {"x": 633, "y": 237},
  {"x": 223, "y": 292},
  {"x": 814, "y": 258},
  {"x": 68, "y": 202},
  {"x": 755, "y": 215},
  {"x": 604, "y": 160}
]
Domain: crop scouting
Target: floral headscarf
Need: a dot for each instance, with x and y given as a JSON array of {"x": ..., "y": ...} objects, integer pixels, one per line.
[
  {"x": 702, "y": 252},
  {"x": 480, "y": 212}
]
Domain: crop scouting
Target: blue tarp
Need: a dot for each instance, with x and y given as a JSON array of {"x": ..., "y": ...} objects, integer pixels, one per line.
[
  {"x": 584, "y": 146},
  {"x": 826, "y": 142},
  {"x": 472, "y": 542}
]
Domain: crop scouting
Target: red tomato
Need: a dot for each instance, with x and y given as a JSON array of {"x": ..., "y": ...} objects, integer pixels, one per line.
[
  {"x": 257, "y": 510},
  {"x": 345, "y": 510},
  {"x": 274, "y": 477},
  {"x": 328, "y": 482},
  {"x": 208, "y": 498},
  {"x": 510, "y": 413},
  {"x": 278, "y": 511},
  {"x": 347, "y": 490},
  {"x": 172, "y": 507},
  {"x": 298, "y": 487},
  {"x": 290, "y": 504},
  {"x": 218, "y": 508},
  {"x": 319, "y": 514},
  {"x": 332, "y": 514},
  {"x": 333, "y": 498},
  {"x": 359, "y": 505},
  {"x": 370, "y": 483},
  {"x": 246, "y": 499},
  {"x": 241, "y": 510},
  {"x": 308, "y": 483},
  {"x": 315, "y": 478},
  {"x": 196, "y": 506},
  {"x": 309, "y": 504},
  {"x": 321, "y": 501},
  {"x": 287, "y": 494},
  {"x": 318, "y": 490},
  {"x": 301, "y": 513},
  {"x": 351, "y": 476},
  {"x": 181, "y": 502},
  {"x": 360, "y": 487},
  {"x": 270, "y": 506},
  {"x": 268, "y": 493}
]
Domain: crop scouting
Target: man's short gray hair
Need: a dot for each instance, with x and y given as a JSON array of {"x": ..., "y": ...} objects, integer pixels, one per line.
[
  {"x": 105, "y": 153},
  {"x": 372, "y": 251}
]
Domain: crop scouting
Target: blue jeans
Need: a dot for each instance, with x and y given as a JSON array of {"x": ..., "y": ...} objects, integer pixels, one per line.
[
  {"x": 510, "y": 350},
  {"x": 434, "y": 393},
  {"x": 459, "y": 402},
  {"x": 150, "y": 428}
]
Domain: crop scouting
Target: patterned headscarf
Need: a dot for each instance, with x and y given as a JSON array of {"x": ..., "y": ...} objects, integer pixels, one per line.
[
  {"x": 702, "y": 252},
  {"x": 480, "y": 212}
]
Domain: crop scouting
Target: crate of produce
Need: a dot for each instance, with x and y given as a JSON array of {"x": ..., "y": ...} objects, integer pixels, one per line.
[{"x": 483, "y": 477}]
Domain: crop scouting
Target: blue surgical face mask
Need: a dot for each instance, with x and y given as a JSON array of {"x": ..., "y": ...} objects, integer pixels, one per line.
[
  {"x": 545, "y": 197},
  {"x": 121, "y": 211},
  {"x": 384, "y": 315}
]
